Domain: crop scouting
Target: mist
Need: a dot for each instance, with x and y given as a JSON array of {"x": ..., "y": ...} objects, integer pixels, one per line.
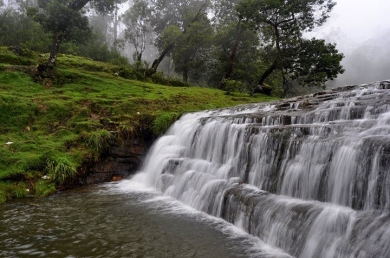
[{"x": 361, "y": 30}]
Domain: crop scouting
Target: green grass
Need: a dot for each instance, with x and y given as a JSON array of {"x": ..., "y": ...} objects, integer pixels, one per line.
[{"x": 69, "y": 118}]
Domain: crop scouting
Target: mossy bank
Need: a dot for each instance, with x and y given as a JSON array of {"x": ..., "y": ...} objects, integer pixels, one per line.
[{"x": 55, "y": 128}]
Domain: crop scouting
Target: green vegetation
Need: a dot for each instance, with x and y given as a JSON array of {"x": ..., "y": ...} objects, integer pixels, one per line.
[{"x": 54, "y": 124}]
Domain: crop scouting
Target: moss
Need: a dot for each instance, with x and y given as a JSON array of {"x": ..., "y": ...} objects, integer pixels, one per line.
[{"x": 164, "y": 121}]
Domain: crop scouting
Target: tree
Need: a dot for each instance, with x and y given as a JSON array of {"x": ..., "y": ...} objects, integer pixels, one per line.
[
  {"x": 225, "y": 15},
  {"x": 137, "y": 21},
  {"x": 65, "y": 21},
  {"x": 167, "y": 13},
  {"x": 235, "y": 56},
  {"x": 313, "y": 62},
  {"x": 16, "y": 28},
  {"x": 281, "y": 25},
  {"x": 192, "y": 47}
]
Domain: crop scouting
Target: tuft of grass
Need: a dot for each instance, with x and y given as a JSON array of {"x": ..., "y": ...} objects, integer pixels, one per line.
[
  {"x": 98, "y": 140},
  {"x": 61, "y": 170}
]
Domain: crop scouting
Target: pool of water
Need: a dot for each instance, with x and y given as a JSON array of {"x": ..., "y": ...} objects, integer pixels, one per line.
[{"x": 119, "y": 220}]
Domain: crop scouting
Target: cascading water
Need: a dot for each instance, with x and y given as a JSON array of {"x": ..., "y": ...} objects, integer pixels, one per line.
[{"x": 308, "y": 175}]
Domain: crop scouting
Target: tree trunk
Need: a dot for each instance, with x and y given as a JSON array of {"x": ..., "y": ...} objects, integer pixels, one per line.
[
  {"x": 139, "y": 56},
  {"x": 78, "y": 4},
  {"x": 266, "y": 74},
  {"x": 54, "y": 50},
  {"x": 115, "y": 25},
  {"x": 232, "y": 57},
  {"x": 185, "y": 75},
  {"x": 157, "y": 61}
]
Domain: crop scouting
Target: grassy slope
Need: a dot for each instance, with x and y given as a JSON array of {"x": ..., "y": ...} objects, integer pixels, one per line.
[{"x": 62, "y": 120}]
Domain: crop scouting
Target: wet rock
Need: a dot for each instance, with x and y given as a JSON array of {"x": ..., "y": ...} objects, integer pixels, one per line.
[{"x": 122, "y": 160}]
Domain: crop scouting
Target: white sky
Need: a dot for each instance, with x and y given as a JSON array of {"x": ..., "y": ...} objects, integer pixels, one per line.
[
  {"x": 354, "y": 25},
  {"x": 357, "y": 21}
]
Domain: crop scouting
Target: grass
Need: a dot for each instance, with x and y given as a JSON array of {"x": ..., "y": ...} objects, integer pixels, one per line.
[{"x": 70, "y": 118}]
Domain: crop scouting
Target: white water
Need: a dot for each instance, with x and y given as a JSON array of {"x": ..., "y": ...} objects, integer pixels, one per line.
[{"x": 315, "y": 181}]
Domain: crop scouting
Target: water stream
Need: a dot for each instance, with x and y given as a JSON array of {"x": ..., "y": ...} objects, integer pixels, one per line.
[{"x": 309, "y": 175}]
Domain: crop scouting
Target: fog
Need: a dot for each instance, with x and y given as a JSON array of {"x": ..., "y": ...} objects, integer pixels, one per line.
[{"x": 361, "y": 30}]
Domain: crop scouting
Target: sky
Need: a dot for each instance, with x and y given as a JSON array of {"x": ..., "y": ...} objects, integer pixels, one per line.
[
  {"x": 360, "y": 19},
  {"x": 360, "y": 28}
]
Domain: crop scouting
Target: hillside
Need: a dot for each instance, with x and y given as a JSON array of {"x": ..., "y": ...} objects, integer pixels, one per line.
[{"x": 51, "y": 125}]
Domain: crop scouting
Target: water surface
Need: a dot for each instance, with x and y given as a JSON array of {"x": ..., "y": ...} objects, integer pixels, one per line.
[{"x": 114, "y": 220}]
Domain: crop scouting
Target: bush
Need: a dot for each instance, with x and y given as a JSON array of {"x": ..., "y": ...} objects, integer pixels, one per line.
[
  {"x": 233, "y": 85},
  {"x": 132, "y": 73},
  {"x": 159, "y": 78}
]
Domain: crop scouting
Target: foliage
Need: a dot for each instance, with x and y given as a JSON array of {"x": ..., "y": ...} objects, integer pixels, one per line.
[
  {"x": 95, "y": 48},
  {"x": 65, "y": 21},
  {"x": 246, "y": 65},
  {"x": 17, "y": 28},
  {"x": 192, "y": 48},
  {"x": 159, "y": 78},
  {"x": 233, "y": 85},
  {"x": 315, "y": 62},
  {"x": 281, "y": 24}
]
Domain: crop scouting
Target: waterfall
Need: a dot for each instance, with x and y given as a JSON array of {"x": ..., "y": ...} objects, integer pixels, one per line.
[{"x": 308, "y": 175}]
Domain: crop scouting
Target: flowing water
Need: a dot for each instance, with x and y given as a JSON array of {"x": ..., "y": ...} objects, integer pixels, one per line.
[{"x": 309, "y": 175}]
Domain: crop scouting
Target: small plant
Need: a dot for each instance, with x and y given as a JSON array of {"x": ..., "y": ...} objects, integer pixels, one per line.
[{"x": 61, "y": 170}]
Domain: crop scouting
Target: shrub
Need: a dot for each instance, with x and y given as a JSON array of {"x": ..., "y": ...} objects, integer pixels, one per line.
[
  {"x": 233, "y": 85},
  {"x": 159, "y": 78}
]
